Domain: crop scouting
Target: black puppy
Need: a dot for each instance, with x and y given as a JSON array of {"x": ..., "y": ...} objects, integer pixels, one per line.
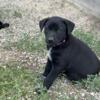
[
  {"x": 66, "y": 53},
  {"x": 3, "y": 25}
]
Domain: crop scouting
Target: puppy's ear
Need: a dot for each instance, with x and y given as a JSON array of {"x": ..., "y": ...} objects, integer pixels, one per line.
[
  {"x": 42, "y": 23},
  {"x": 69, "y": 25}
]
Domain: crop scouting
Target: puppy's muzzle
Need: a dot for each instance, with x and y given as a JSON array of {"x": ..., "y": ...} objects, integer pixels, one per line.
[{"x": 50, "y": 41}]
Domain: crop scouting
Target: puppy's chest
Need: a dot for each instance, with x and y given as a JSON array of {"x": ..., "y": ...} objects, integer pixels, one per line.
[
  {"x": 52, "y": 54},
  {"x": 49, "y": 54}
]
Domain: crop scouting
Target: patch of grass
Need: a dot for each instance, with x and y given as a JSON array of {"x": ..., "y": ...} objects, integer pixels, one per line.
[
  {"x": 89, "y": 40},
  {"x": 19, "y": 83},
  {"x": 28, "y": 43},
  {"x": 92, "y": 83},
  {"x": 17, "y": 14},
  {"x": 4, "y": 13}
]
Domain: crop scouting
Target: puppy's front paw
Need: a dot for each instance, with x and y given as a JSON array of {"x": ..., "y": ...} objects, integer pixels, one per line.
[
  {"x": 42, "y": 77},
  {"x": 40, "y": 90}
]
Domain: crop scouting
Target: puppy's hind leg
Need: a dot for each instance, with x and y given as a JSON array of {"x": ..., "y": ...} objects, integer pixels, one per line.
[{"x": 74, "y": 76}]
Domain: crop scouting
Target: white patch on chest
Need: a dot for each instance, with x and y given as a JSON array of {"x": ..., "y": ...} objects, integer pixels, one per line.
[{"x": 49, "y": 54}]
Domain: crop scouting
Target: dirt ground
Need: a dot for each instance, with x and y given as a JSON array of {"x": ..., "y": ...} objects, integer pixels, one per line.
[{"x": 24, "y": 16}]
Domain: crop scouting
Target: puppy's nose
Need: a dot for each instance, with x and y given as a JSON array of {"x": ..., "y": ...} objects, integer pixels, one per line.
[{"x": 50, "y": 40}]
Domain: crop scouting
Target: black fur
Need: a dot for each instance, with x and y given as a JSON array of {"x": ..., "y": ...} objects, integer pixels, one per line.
[
  {"x": 3, "y": 25},
  {"x": 72, "y": 56}
]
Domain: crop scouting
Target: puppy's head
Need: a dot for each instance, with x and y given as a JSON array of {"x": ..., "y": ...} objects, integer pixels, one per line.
[{"x": 56, "y": 30}]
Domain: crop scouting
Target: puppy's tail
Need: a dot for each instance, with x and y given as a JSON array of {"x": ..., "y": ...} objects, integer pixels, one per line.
[{"x": 3, "y": 25}]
